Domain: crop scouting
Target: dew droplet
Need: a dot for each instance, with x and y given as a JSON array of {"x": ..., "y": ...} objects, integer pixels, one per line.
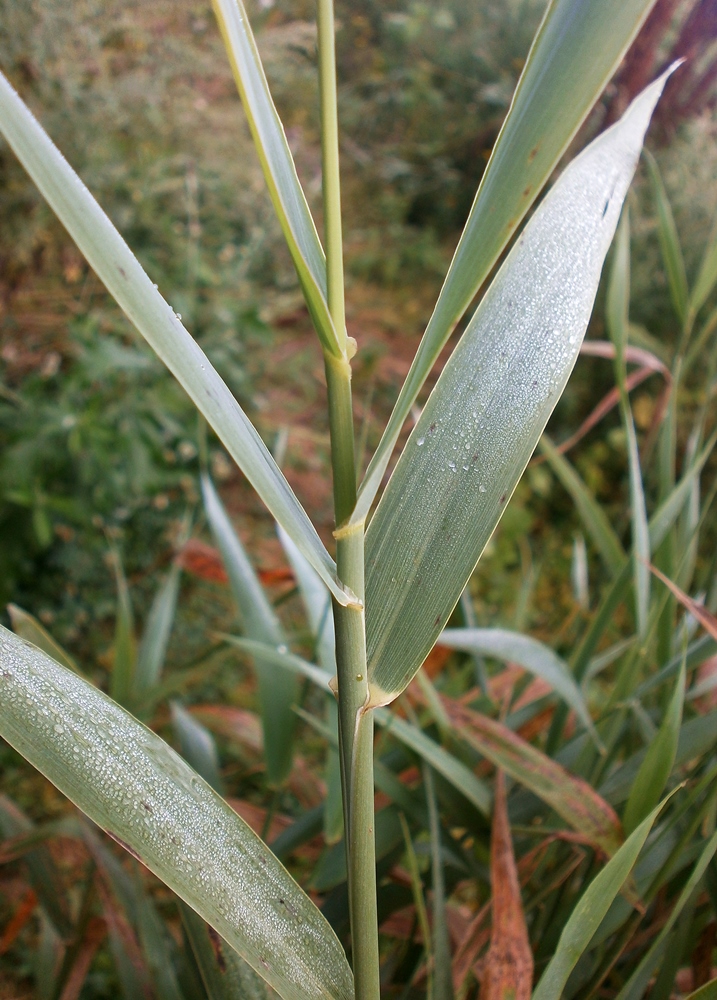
[
  {"x": 420, "y": 441},
  {"x": 282, "y": 649}
]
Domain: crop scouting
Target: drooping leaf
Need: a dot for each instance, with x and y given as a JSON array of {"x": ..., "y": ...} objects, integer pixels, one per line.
[
  {"x": 590, "y": 910},
  {"x": 572, "y": 798},
  {"x": 490, "y": 406},
  {"x": 133, "y": 785},
  {"x": 278, "y": 687},
  {"x": 528, "y": 653},
  {"x": 575, "y": 52},
  {"x": 279, "y": 171},
  {"x": 658, "y": 762},
  {"x": 120, "y": 271},
  {"x": 508, "y": 970}
]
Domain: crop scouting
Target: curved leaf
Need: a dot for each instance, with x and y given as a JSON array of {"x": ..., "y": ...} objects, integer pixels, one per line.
[
  {"x": 489, "y": 407},
  {"x": 123, "y": 276},
  {"x": 138, "y": 789},
  {"x": 528, "y": 653},
  {"x": 578, "y": 47}
]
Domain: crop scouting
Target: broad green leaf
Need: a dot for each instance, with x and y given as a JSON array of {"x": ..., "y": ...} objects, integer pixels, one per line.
[
  {"x": 225, "y": 975},
  {"x": 490, "y": 406},
  {"x": 637, "y": 984},
  {"x": 658, "y": 762},
  {"x": 155, "y": 638},
  {"x": 120, "y": 271},
  {"x": 29, "y": 628},
  {"x": 279, "y": 170},
  {"x": 528, "y": 653},
  {"x": 278, "y": 688},
  {"x": 575, "y": 52},
  {"x": 596, "y": 521},
  {"x": 197, "y": 746},
  {"x": 125, "y": 647},
  {"x": 669, "y": 242},
  {"x": 133, "y": 785},
  {"x": 589, "y": 912},
  {"x": 572, "y": 798}
]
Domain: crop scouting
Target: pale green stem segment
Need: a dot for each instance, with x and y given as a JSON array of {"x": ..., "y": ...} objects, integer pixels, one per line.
[{"x": 355, "y": 722}]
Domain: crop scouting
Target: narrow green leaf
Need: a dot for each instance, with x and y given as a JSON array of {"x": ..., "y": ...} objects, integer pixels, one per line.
[
  {"x": 418, "y": 898},
  {"x": 590, "y": 910},
  {"x": 575, "y": 52},
  {"x": 572, "y": 798},
  {"x": 617, "y": 314},
  {"x": 317, "y": 602},
  {"x": 279, "y": 171},
  {"x": 706, "y": 277},
  {"x": 490, "y": 406},
  {"x": 669, "y": 242},
  {"x": 528, "y": 653},
  {"x": 596, "y": 521},
  {"x": 442, "y": 978},
  {"x": 658, "y": 761},
  {"x": 133, "y": 785},
  {"x": 706, "y": 992},
  {"x": 29, "y": 628},
  {"x": 637, "y": 984},
  {"x": 120, "y": 271},
  {"x": 155, "y": 638},
  {"x": 225, "y": 975},
  {"x": 197, "y": 746},
  {"x": 125, "y": 646},
  {"x": 278, "y": 688}
]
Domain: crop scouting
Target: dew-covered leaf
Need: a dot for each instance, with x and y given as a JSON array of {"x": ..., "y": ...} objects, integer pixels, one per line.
[
  {"x": 575, "y": 52},
  {"x": 137, "y": 788},
  {"x": 490, "y": 406},
  {"x": 123, "y": 276}
]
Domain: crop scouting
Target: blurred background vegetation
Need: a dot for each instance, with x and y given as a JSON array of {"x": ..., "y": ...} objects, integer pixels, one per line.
[{"x": 99, "y": 448}]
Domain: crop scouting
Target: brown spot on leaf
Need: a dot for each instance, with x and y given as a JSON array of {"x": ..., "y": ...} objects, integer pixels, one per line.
[
  {"x": 216, "y": 943},
  {"x": 527, "y": 189},
  {"x": 533, "y": 153},
  {"x": 502, "y": 499},
  {"x": 123, "y": 273}
]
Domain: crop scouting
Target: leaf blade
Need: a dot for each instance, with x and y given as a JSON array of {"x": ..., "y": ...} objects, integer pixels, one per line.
[
  {"x": 575, "y": 52},
  {"x": 121, "y": 273},
  {"x": 279, "y": 171},
  {"x": 489, "y": 408},
  {"x": 191, "y": 838}
]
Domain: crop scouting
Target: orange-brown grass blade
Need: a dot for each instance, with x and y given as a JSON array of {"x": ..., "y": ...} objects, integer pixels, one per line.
[
  {"x": 509, "y": 966},
  {"x": 573, "y": 799},
  {"x": 703, "y": 616},
  {"x": 94, "y": 935},
  {"x": 17, "y": 921}
]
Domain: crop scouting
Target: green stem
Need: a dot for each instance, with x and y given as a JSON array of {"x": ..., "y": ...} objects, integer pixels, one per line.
[
  {"x": 330, "y": 168},
  {"x": 355, "y": 722}
]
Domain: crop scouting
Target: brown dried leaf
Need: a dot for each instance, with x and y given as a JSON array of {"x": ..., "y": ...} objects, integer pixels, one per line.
[
  {"x": 508, "y": 971},
  {"x": 573, "y": 799}
]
